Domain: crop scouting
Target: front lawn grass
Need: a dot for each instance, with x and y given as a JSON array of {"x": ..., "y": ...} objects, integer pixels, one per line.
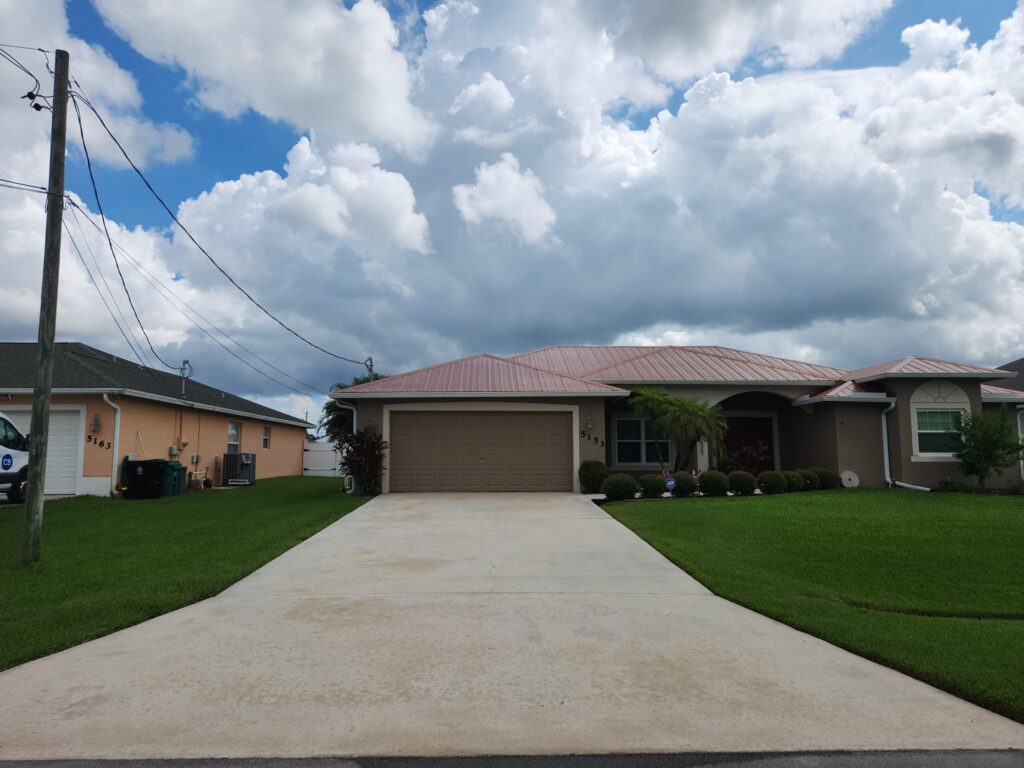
[
  {"x": 929, "y": 584},
  {"x": 110, "y": 563}
]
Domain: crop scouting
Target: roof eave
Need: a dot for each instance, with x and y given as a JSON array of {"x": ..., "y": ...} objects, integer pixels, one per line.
[
  {"x": 876, "y": 399},
  {"x": 726, "y": 382},
  {"x": 993, "y": 374},
  {"x": 342, "y": 394}
]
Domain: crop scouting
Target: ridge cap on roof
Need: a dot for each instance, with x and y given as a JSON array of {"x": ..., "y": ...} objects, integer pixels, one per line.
[
  {"x": 701, "y": 349},
  {"x": 653, "y": 350}
]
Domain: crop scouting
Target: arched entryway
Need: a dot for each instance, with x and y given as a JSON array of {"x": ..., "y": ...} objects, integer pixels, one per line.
[{"x": 753, "y": 440}]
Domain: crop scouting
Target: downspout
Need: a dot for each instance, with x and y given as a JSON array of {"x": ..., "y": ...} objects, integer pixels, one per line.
[
  {"x": 1020, "y": 435},
  {"x": 885, "y": 454},
  {"x": 351, "y": 408},
  {"x": 114, "y": 474}
]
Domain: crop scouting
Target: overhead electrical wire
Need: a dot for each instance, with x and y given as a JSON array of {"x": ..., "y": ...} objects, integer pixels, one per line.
[
  {"x": 106, "y": 232},
  {"x": 185, "y": 308},
  {"x": 77, "y": 96}
]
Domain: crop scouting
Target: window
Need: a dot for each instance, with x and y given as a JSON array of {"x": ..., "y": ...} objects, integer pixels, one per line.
[
  {"x": 266, "y": 437},
  {"x": 234, "y": 436},
  {"x": 635, "y": 444},
  {"x": 933, "y": 431},
  {"x": 9, "y": 437}
]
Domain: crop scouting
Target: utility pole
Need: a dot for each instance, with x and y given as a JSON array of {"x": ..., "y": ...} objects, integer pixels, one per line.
[{"x": 47, "y": 316}]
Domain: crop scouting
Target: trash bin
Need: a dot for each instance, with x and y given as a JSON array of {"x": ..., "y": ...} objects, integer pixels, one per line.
[
  {"x": 143, "y": 478},
  {"x": 172, "y": 478}
]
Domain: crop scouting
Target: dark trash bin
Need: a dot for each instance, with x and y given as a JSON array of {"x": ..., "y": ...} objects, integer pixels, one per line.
[
  {"x": 172, "y": 479},
  {"x": 143, "y": 479}
]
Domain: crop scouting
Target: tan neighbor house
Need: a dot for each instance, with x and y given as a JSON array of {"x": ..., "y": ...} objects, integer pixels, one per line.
[
  {"x": 106, "y": 408},
  {"x": 527, "y": 421}
]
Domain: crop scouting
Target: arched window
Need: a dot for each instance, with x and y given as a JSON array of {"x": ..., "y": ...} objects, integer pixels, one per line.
[{"x": 936, "y": 409}]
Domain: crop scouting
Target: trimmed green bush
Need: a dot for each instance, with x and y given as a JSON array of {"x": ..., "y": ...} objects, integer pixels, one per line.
[
  {"x": 713, "y": 483},
  {"x": 618, "y": 487},
  {"x": 685, "y": 485},
  {"x": 742, "y": 483},
  {"x": 652, "y": 486},
  {"x": 810, "y": 479},
  {"x": 794, "y": 482},
  {"x": 771, "y": 481},
  {"x": 827, "y": 479},
  {"x": 592, "y": 473}
]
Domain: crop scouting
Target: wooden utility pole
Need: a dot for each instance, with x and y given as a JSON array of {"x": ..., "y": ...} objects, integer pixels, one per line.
[{"x": 47, "y": 316}]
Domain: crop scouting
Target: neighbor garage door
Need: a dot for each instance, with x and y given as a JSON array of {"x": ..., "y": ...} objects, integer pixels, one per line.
[
  {"x": 62, "y": 462},
  {"x": 481, "y": 451}
]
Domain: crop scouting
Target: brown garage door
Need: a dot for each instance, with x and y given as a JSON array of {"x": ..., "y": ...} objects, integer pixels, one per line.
[{"x": 481, "y": 451}]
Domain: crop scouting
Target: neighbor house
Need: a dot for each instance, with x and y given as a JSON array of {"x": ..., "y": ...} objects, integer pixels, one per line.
[
  {"x": 106, "y": 408},
  {"x": 524, "y": 423}
]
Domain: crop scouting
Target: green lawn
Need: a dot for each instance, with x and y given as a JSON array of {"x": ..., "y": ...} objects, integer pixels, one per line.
[
  {"x": 110, "y": 563},
  {"x": 930, "y": 584}
]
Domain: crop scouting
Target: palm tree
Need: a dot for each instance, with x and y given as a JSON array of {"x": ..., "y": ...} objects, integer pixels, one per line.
[{"x": 685, "y": 421}]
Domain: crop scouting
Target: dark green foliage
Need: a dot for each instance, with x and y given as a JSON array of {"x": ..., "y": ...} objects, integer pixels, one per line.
[
  {"x": 827, "y": 479},
  {"x": 592, "y": 473},
  {"x": 652, "y": 486},
  {"x": 111, "y": 563},
  {"x": 685, "y": 421},
  {"x": 742, "y": 483},
  {"x": 713, "y": 483},
  {"x": 685, "y": 485},
  {"x": 363, "y": 458},
  {"x": 947, "y": 485},
  {"x": 929, "y": 584},
  {"x": 811, "y": 481},
  {"x": 771, "y": 482},
  {"x": 618, "y": 487},
  {"x": 336, "y": 420},
  {"x": 794, "y": 482},
  {"x": 988, "y": 443}
]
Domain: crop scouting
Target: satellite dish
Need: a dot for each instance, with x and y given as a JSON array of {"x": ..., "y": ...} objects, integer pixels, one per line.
[{"x": 849, "y": 479}]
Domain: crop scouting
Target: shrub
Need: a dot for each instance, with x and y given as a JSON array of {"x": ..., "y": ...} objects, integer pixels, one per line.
[
  {"x": 947, "y": 485},
  {"x": 827, "y": 479},
  {"x": 652, "y": 486},
  {"x": 618, "y": 487},
  {"x": 713, "y": 483},
  {"x": 592, "y": 473},
  {"x": 363, "y": 458},
  {"x": 794, "y": 482},
  {"x": 771, "y": 481},
  {"x": 685, "y": 485},
  {"x": 810, "y": 479},
  {"x": 742, "y": 483}
]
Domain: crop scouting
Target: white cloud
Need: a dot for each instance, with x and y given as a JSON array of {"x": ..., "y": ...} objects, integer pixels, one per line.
[
  {"x": 312, "y": 63},
  {"x": 504, "y": 192},
  {"x": 489, "y": 94}
]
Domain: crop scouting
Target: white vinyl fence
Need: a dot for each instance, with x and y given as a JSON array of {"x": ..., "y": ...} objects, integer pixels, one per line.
[{"x": 321, "y": 460}]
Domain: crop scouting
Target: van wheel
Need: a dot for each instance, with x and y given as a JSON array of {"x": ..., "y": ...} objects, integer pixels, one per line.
[{"x": 16, "y": 493}]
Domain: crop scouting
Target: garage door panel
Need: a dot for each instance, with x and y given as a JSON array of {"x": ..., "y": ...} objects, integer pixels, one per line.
[
  {"x": 62, "y": 457},
  {"x": 481, "y": 451}
]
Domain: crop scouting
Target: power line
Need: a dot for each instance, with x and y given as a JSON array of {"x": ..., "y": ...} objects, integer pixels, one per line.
[
  {"x": 78, "y": 96},
  {"x": 181, "y": 305},
  {"x": 106, "y": 232},
  {"x": 74, "y": 215},
  {"x": 24, "y": 47},
  {"x": 23, "y": 185}
]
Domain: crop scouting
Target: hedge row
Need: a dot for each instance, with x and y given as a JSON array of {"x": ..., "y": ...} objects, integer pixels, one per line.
[{"x": 595, "y": 478}]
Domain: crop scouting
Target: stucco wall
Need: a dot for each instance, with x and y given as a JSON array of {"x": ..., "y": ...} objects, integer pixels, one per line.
[
  {"x": 148, "y": 429},
  {"x": 808, "y": 437},
  {"x": 859, "y": 442}
]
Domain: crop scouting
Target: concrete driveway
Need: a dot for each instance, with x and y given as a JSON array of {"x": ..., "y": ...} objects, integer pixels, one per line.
[{"x": 454, "y": 624}]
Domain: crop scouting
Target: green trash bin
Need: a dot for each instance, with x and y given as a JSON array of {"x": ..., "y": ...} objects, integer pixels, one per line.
[{"x": 170, "y": 483}]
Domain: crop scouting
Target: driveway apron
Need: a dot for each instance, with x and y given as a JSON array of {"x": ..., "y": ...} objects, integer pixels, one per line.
[{"x": 470, "y": 624}]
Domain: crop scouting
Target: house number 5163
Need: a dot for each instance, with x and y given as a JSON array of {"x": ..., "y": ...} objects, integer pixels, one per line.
[{"x": 97, "y": 442}]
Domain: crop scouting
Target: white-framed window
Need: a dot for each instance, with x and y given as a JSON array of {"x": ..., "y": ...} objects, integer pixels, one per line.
[
  {"x": 935, "y": 431},
  {"x": 234, "y": 436},
  {"x": 634, "y": 442},
  {"x": 266, "y": 437}
]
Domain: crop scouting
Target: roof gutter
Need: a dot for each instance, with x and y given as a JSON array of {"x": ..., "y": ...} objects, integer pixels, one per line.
[
  {"x": 114, "y": 474},
  {"x": 468, "y": 395}
]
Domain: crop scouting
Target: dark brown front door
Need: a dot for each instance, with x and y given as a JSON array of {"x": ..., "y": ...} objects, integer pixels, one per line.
[{"x": 753, "y": 439}]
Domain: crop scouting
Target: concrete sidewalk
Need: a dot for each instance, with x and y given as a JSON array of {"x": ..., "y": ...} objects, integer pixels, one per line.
[{"x": 451, "y": 624}]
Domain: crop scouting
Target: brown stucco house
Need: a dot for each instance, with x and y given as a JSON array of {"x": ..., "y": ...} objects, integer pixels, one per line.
[
  {"x": 105, "y": 408},
  {"x": 524, "y": 423}
]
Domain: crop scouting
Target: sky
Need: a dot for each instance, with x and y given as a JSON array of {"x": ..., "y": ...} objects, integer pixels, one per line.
[{"x": 834, "y": 182}]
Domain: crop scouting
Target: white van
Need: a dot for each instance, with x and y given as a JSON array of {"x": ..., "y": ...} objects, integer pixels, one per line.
[{"x": 13, "y": 461}]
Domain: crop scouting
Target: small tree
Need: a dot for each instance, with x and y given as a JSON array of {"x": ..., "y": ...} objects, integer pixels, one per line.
[
  {"x": 363, "y": 457},
  {"x": 685, "y": 421},
  {"x": 988, "y": 443}
]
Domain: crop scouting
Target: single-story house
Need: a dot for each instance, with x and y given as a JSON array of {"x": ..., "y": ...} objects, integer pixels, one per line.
[
  {"x": 524, "y": 423},
  {"x": 1016, "y": 381},
  {"x": 105, "y": 408}
]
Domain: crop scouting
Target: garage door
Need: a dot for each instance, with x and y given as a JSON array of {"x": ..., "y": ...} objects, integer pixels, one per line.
[
  {"x": 481, "y": 451},
  {"x": 62, "y": 462}
]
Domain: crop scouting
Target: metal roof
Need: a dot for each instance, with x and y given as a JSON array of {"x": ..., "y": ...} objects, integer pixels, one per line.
[
  {"x": 992, "y": 394},
  {"x": 844, "y": 391},
  {"x": 925, "y": 367},
  {"x": 478, "y": 375},
  {"x": 78, "y": 367}
]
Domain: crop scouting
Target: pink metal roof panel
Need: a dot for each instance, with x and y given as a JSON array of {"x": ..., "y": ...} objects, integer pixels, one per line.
[
  {"x": 989, "y": 392},
  {"x": 713, "y": 364},
  {"x": 914, "y": 366},
  {"x": 579, "y": 360},
  {"x": 480, "y": 374}
]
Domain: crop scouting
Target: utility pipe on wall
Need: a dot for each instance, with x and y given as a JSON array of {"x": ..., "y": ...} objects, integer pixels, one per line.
[
  {"x": 885, "y": 454},
  {"x": 114, "y": 474}
]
